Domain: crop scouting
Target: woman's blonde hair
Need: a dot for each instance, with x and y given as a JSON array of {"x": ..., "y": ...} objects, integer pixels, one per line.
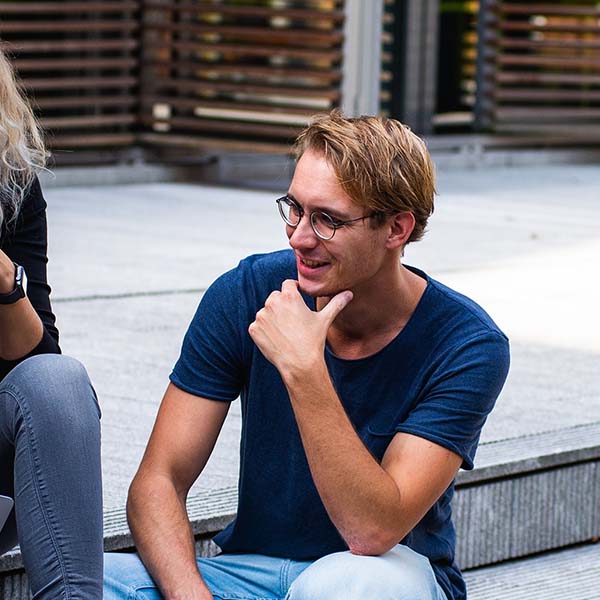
[
  {"x": 380, "y": 163},
  {"x": 22, "y": 151}
]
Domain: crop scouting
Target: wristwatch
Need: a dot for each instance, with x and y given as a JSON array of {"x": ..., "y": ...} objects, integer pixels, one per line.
[{"x": 20, "y": 290}]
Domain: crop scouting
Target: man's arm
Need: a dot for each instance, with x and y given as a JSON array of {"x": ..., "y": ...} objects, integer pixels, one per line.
[
  {"x": 372, "y": 505},
  {"x": 182, "y": 440}
]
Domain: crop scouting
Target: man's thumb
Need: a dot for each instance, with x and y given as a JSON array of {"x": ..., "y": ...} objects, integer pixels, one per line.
[{"x": 336, "y": 305}]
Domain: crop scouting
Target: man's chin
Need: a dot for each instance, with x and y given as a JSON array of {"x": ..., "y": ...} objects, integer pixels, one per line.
[{"x": 317, "y": 291}]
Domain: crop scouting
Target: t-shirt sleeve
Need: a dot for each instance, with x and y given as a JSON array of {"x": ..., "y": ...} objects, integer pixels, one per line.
[
  {"x": 459, "y": 395},
  {"x": 210, "y": 364}
]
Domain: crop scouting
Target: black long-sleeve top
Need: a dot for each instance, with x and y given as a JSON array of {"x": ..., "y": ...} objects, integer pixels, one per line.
[{"x": 26, "y": 243}]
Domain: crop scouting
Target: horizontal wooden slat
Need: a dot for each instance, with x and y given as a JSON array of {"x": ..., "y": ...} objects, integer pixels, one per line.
[
  {"x": 247, "y": 50},
  {"x": 62, "y": 83},
  {"x": 547, "y": 95},
  {"x": 208, "y": 69},
  {"x": 59, "y": 26},
  {"x": 117, "y": 6},
  {"x": 551, "y": 26},
  {"x": 92, "y": 140},
  {"x": 559, "y": 44},
  {"x": 201, "y": 142},
  {"x": 77, "y": 64},
  {"x": 205, "y": 87},
  {"x": 267, "y": 35},
  {"x": 87, "y": 121},
  {"x": 550, "y": 61},
  {"x": 192, "y": 103},
  {"x": 49, "y": 46},
  {"x": 540, "y": 112},
  {"x": 566, "y": 10},
  {"x": 527, "y": 77},
  {"x": 85, "y": 102},
  {"x": 228, "y": 127},
  {"x": 249, "y": 11}
]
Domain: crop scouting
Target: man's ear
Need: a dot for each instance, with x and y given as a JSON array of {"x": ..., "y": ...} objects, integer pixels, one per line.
[{"x": 400, "y": 226}]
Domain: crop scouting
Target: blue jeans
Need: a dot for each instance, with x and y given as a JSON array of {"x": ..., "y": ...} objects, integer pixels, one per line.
[
  {"x": 399, "y": 574},
  {"x": 50, "y": 465}
]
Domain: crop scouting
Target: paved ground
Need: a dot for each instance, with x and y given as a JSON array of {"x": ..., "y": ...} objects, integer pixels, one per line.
[{"x": 128, "y": 265}]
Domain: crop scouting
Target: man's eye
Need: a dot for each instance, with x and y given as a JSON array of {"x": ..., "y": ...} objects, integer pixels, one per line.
[{"x": 325, "y": 219}]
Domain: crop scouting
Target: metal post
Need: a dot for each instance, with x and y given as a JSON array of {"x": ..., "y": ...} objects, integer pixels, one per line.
[
  {"x": 484, "y": 103},
  {"x": 419, "y": 83},
  {"x": 362, "y": 57}
]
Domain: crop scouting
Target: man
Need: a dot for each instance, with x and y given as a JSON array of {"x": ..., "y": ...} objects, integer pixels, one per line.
[{"x": 364, "y": 386}]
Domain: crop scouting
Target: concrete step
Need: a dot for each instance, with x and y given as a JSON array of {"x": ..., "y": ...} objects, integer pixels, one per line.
[
  {"x": 527, "y": 495},
  {"x": 570, "y": 574}
]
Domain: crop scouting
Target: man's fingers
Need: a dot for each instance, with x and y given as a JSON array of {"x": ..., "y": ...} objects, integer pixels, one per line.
[
  {"x": 336, "y": 305},
  {"x": 289, "y": 285}
]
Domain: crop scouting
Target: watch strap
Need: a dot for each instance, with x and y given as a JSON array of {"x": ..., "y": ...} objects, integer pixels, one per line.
[{"x": 19, "y": 290}]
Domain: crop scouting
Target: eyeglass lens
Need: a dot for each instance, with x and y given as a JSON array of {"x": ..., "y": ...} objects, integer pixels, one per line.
[
  {"x": 321, "y": 222},
  {"x": 290, "y": 211}
]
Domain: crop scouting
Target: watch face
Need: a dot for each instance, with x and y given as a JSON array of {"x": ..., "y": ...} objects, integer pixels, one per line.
[{"x": 21, "y": 280}]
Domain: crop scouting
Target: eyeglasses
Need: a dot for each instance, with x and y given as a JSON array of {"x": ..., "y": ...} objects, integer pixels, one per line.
[{"x": 322, "y": 224}]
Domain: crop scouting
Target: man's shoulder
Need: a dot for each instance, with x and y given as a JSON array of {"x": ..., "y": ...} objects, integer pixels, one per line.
[
  {"x": 457, "y": 311},
  {"x": 268, "y": 269},
  {"x": 270, "y": 262},
  {"x": 255, "y": 277}
]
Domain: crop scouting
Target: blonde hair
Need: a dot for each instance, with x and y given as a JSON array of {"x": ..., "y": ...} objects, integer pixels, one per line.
[
  {"x": 22, "y": 151},
  {"x": 381, "y": 164}
]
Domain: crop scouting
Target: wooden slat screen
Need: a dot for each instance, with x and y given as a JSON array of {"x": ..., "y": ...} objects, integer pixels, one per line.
[
  {"x": 238, "y": 74},
  {"x": 542, "y": 65},
  {"x": 79, "y": 63}
]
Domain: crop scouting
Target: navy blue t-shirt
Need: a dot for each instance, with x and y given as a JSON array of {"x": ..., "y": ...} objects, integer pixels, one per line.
[{"x": 438, "y": 379}]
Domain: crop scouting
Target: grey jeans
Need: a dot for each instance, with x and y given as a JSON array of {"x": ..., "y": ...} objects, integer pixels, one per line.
[{"x": 50, "y": 465}]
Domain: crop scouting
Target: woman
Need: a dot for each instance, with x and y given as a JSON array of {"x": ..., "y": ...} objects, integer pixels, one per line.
[{"x": 49, "y": 415}]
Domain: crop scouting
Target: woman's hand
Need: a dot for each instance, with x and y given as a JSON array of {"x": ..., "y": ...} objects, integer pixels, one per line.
[{"x": 7, "y": 274}]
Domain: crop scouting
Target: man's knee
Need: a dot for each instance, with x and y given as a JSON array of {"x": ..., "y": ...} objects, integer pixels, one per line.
[
  {"x": 125, "y": 578},
  {"x": 400, "y": 574}
]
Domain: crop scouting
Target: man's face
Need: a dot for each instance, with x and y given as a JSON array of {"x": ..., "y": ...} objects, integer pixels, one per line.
[{"x": 354, "y": 257}]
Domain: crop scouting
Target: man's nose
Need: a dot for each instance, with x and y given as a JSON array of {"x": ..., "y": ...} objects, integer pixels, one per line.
[{"x": 302, "y": 236}]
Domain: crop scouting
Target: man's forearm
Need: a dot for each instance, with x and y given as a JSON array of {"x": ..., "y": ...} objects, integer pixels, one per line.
[
  {"x": 164, "y": 540},
  {"x": 362, "y": 500}
]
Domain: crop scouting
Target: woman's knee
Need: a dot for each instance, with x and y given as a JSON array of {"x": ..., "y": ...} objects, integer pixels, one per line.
[
  {"x": 399, "y": 574},
  {"x": 54, "y": 387}
]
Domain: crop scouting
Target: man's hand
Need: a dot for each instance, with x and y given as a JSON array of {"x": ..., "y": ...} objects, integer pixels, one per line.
[{"x": 290, "y": 335}]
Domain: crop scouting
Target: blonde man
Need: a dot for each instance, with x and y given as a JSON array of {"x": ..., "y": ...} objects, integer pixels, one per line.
[{"x": 364, "y": 386}]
